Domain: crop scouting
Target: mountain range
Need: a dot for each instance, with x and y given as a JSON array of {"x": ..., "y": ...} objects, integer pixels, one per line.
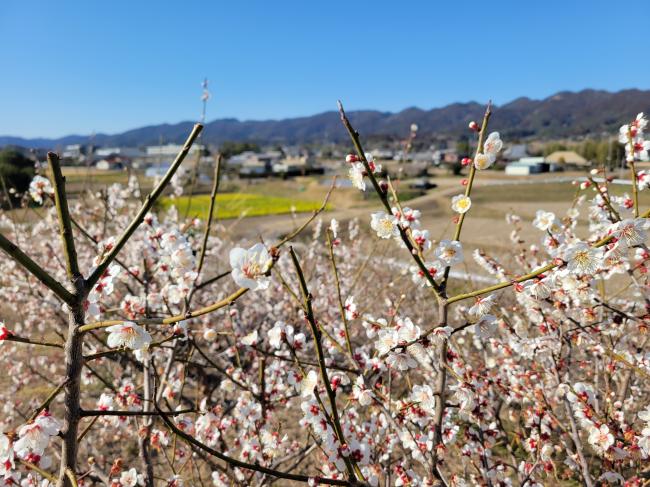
[{"x": 561, "y": 115}]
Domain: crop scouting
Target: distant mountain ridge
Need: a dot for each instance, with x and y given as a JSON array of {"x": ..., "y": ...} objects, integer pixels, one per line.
[{"x": 563, "y": 114}]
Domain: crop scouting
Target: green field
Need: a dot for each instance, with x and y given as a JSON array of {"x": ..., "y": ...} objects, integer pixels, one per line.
[{"x": 234, "y": 205}]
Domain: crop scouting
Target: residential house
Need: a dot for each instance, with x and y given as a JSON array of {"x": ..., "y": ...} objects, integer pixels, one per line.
[
  {"x": 300, "y": 165},
  {"x": 515, "y": 152},
  {"x": 256, "y": 164},
  {"x": 445, "y": 156},
  {"x": 568, "y": 159},
  {"x": 113, "y": 162}
]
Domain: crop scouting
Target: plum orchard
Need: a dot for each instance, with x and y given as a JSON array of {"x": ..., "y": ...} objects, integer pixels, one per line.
[{"x": 147, "y": 350}]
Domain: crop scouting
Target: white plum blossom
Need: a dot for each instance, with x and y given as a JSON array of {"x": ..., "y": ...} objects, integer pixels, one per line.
[
  {"x": 401, "y": 361},
  {"x": 387, "y": 339},
  {"x": 466, "y": 398},
  {"x": 374, "y": 167},
  {"x": 350, "y": 308},
  {"x": 35, "y": 436},
  {"x": 491, "y": 148},
  {"x": 537, "y": 289},
  {"x": 481, "y": 307},
  {"x": 356, "y": 175},
  {"x": 461, "y": 203},
  {"x": 493, "y": 144},
  {"x": 384, "y": 224},
  {"x": 361, "y": 393},
  {"x": 643, "y": 180},
  {"x": 601, "y": 438},
  {"x": 334, "y": 227},
  {"x": 583, "y": 259},
  {"x": 423, "y": 395},
  {"x": 631, "y": 136},
  {"x": 40, "y": 187},
  {"x": 129, "y": 478},
  {"x": 210, "y": 334},
  {"x": 434, "y": 269},
  {"x": 631, "y": 232},
  {"x": 546, "y": 221},
  {"x": 449, "y": 252},
  {"x": 250, "y": 339},
  {"x": 485, "y": 326},
  {"x": 275, "y": 334},
  {"x": 7, "y": 455},
  {"x": 372, "y": 325},
  {"x": 421, "y": 239},
  {"x": 128, "y": 335},
  {"x": 407, "y": 217},
  {"x": 249, "y": 267},
  {"x": 308, "y": 383},
  {"x": 644, "y": 414}
]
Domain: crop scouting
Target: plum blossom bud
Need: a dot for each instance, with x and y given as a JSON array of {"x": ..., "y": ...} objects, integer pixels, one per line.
[
  {"x": 473, "y": 126},
  {"x": 465, "y": 161},
  {"x": 463, "y": 182},
  {"x": 345, "y": 450},
  {"x": 4, "y": 333},
  {"x": 383, "y": 185}
]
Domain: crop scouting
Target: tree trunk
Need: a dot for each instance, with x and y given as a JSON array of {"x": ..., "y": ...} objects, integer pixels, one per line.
[{"x": 72, "y": 408}]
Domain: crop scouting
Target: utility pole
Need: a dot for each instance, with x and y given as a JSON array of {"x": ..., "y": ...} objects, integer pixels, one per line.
[{"x": 204, "y": 98}]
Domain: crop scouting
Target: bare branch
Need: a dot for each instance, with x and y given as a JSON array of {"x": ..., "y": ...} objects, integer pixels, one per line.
[
  {"x": 35, "y": 269},
  {"x": 65, "y": 226}
]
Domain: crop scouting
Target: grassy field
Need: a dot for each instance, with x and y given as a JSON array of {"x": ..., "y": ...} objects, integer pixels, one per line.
[
  {"x": 544, "y": 192},
  {"x": 234, "y": 205}
]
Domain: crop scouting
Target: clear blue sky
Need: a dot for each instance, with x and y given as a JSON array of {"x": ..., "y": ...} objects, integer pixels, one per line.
[{"x": 107, "y": 66}]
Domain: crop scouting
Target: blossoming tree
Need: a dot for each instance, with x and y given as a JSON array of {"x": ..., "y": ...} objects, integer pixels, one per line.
[{"x": 172, "y": 356}]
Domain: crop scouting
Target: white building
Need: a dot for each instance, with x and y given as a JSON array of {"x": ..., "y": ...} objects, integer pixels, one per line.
[
  {"x": 168, "y": 150},
  {"x": 526, "y": 166},
  {"x": 130, "y": 152},
  {"x": 72, "y": 151}
]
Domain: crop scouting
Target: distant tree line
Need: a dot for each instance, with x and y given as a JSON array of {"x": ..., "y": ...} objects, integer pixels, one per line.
[
  {"x": 16, "y": 172},
  {"x": 230, "y": 148}
]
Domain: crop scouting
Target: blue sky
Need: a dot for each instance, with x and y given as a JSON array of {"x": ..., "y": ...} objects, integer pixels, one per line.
[{"x": 107, "y": 66}]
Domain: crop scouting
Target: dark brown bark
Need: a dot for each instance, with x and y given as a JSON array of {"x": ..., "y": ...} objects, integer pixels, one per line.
[{"x": 72, "y": 390}]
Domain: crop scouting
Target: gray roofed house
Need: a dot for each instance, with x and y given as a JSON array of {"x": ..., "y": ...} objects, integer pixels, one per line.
[{"x": 515, "y": 152}]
